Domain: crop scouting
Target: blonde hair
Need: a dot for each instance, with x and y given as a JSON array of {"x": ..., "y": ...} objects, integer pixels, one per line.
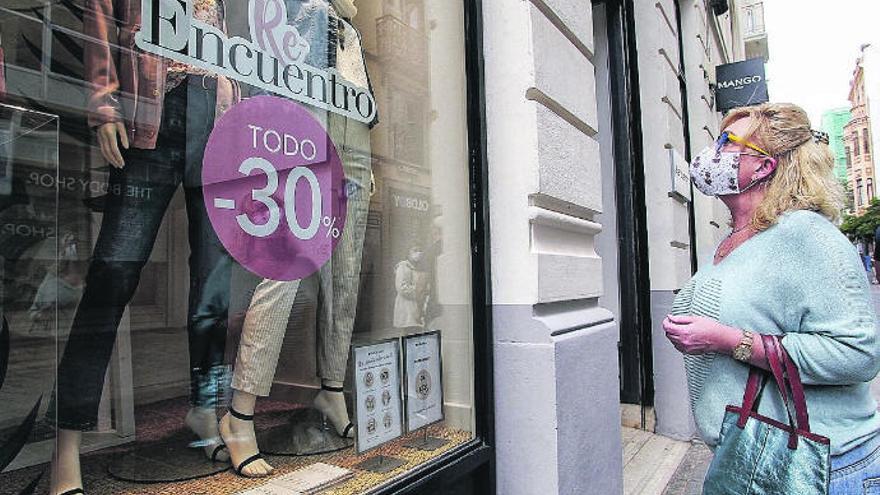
[{"x": 804, "y": 177}]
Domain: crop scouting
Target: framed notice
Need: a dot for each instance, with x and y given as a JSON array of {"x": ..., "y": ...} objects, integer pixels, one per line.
[
  {"x": 377, "y": 394},
  {"x": 680, "y": 186},
  {"x": 423, "y": 372}
]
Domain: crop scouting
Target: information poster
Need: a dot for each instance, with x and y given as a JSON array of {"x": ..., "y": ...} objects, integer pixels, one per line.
[
  {"x": 378, "y": 408},
  {"x": 424, "y": 385}
]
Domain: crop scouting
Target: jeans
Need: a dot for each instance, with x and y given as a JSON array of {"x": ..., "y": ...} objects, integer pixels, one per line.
[
  {"x": 338, "y": 282},
  {"x": 139, "y": 195},
  {"x": 857, "y": 471}
]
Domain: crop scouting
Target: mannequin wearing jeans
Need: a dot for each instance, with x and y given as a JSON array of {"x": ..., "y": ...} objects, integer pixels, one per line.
[
  {"x": 167, "y": 126},
  {"x": 339, "y": 279}
]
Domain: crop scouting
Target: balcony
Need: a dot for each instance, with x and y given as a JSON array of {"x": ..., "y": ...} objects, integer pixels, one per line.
[{"x": 754, "y": 31}]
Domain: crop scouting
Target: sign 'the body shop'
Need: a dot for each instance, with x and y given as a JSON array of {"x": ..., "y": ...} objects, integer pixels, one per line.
[{"x": 272, "y": 59}]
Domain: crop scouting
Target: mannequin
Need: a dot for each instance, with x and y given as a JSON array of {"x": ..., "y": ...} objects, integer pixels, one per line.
[
  {"x": 267, "y": 316},
  {"x": 162, "y": 147}
]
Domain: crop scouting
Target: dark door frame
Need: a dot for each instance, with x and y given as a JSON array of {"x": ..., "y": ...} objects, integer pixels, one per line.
[{"x": 635, "y": 347}]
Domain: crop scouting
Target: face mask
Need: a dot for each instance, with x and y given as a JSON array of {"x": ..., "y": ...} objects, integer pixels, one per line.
[{"x": 716, "y": 173}]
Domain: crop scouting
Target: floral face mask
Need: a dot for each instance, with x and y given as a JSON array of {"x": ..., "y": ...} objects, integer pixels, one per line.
[{"x": 716, "y": 173}]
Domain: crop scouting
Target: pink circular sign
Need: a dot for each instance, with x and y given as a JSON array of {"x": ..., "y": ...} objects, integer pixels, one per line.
[{"x": 274, "y": 188}]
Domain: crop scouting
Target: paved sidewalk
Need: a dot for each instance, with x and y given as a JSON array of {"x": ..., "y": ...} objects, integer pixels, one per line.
[{"x": 688, "y": 478}]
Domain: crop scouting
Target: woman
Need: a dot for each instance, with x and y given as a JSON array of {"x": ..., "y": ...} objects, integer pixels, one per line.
[{"x": 785, "y": 269}]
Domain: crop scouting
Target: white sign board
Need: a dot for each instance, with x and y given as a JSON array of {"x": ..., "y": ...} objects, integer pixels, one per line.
[
  {"x": 377, "y": 394},
  {"x": 424, "y": 384},
  {"x": 681, "y": 175}
]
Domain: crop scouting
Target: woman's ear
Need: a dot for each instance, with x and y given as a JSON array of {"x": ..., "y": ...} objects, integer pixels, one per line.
[{"x": 768, "y": 166}]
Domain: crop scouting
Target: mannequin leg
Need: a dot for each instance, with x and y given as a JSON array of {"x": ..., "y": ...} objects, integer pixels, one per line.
[
  {"x": 128, "y": 231},
  {"x": 340, "y": 277},
  {"x": 210, "y": 271},
  {"x": 262, "y": 335},
  {"x": 240, "y": 437},
  {"x": 66, "y": 473}
]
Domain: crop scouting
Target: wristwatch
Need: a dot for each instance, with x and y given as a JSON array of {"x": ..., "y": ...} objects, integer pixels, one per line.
[{"x": 743, "y": 350}]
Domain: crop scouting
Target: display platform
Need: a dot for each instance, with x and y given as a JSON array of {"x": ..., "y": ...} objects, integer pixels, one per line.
[
  {"x": 158, "y": 423},
  {"x": 305, "y": 434}
]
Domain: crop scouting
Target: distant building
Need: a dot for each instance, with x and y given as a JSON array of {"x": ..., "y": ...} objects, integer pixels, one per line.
[
  {"x": 753, "y": 31},
  {"x": 833, "y": 123},
  {"x": 858, "y": 136}
]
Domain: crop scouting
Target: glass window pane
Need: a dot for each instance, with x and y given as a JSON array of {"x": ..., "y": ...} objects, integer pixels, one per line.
[{"x": 263, "y": 210}]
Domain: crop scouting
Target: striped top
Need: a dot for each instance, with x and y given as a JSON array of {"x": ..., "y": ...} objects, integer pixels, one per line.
[{"x": 802, "y": 278}]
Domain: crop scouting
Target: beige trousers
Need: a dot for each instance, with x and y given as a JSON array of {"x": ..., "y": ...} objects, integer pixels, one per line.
[{"x": 267, "y": 315}]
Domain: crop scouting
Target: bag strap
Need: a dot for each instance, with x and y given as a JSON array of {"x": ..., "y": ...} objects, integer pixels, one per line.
[
  {"x": 797, "y": 390},
  {"x": 779, "y": 364},
  {"x": 776, "y": 357},
  {"x": 753, "y": 385}
]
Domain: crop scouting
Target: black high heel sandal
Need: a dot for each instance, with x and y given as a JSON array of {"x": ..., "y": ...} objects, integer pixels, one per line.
[
  {"x": 350, "y": 426},
  {"x": 243, "y": 417},
  {"x": 75, "y": 491}
]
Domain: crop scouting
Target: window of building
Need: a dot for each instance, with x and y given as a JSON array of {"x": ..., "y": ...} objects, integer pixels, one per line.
[
  {"x": 859, "y": 197},
  {"x": 856, "y": 149},
  {"x": 869, "y": 186},
  {"x": 298, "y": 229},
  {"x": 848, "y": 158},
  {"x": 866, "y": 141}
]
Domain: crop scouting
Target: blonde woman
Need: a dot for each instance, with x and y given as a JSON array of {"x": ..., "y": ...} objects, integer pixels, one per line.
[{"x": 784, "y": 269}]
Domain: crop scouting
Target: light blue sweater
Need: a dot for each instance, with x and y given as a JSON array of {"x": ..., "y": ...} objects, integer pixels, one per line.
[{"x": 801, "y": 277}]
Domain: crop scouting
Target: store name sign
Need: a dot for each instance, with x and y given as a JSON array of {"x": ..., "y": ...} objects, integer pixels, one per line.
[
  {"x": 740, "y": 84},
  {"x": 273, "y": 58}
]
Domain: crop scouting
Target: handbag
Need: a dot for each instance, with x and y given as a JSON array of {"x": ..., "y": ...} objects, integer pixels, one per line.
[{"x": 757, "y": 455}]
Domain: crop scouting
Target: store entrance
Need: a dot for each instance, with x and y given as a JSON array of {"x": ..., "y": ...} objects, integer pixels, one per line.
[{"x": 623, "y": 244}]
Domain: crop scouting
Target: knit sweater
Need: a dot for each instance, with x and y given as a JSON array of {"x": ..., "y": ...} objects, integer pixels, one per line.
[{"x": 801, "y": 278}]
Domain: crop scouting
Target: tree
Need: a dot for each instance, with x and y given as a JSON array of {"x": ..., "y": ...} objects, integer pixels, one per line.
[
  {"x": 848, "y": 199},
  {"x": 864, "y": 225}
]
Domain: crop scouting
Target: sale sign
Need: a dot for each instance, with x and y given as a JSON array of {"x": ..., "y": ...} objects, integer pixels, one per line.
[{"x": 274, "y": 188}]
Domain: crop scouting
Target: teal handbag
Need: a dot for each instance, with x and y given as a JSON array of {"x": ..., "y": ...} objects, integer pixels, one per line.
[{"x": 757, "y": 455}]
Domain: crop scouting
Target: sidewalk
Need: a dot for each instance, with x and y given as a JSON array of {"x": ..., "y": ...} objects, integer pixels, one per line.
[
  {"x": 650, "y": 461},
  {"x": 688, "y": 477}
]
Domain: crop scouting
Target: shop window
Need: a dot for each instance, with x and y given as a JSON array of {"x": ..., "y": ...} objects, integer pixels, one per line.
[{"x": 297, "y": 229}]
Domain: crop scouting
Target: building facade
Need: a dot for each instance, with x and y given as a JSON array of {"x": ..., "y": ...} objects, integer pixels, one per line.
[
  {"x": 858, "y": 134},
  {"x": 521, "y": 190}
]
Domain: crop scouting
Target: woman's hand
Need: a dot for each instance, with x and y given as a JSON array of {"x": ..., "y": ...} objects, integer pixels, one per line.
[
  {"x": 699, "y": 335},
  {"x": 109, "y": 135}
]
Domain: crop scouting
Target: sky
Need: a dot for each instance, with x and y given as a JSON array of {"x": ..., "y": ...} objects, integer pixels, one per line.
[{"x": 813, "y": 48}]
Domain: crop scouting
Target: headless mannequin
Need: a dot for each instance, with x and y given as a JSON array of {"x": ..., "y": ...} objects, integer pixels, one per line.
[
  {"x": 65, "y": 469},
  {"x": 238, "y": 434}
]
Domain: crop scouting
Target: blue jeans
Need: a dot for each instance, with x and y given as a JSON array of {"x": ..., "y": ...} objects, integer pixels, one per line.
[
  {"x": 139, "y": 195},
  {"x": 857, "y": 472}
]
